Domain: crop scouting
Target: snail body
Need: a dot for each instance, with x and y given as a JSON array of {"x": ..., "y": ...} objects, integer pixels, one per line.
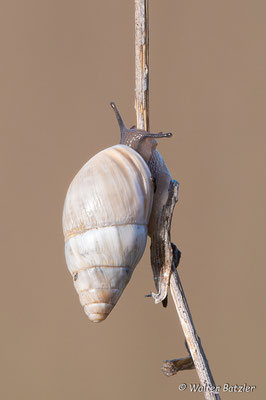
[{"x": 105, "y": 219}]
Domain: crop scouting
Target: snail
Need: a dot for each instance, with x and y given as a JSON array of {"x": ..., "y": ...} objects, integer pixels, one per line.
[{"x": 111, "y": 205}]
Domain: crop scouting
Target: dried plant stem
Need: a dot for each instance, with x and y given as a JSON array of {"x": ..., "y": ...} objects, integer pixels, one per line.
[
  {"x": 142, "y": 63},
  {"x": 193, "y": 340},
  {"x": 142, "y": 111}
]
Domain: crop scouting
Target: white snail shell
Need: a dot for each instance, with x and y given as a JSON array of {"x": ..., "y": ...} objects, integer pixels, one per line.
[{"x": 105, "y": 218}]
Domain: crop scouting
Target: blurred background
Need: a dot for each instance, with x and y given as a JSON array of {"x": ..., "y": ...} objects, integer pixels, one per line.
[{"x": 62, "y": 62}]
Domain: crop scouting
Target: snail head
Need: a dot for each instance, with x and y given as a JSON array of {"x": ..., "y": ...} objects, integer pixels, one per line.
[{"x": 141, "y": 141}]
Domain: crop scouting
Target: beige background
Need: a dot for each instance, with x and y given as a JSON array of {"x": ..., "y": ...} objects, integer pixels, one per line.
[{"x": 61, "y": 64}]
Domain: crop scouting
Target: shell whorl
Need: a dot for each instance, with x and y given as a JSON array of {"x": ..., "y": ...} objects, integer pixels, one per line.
[{"x": 105, "y": 217}]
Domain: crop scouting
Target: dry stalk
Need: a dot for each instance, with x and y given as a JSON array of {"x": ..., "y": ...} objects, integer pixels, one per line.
[{"x": 197, "y": 356}]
